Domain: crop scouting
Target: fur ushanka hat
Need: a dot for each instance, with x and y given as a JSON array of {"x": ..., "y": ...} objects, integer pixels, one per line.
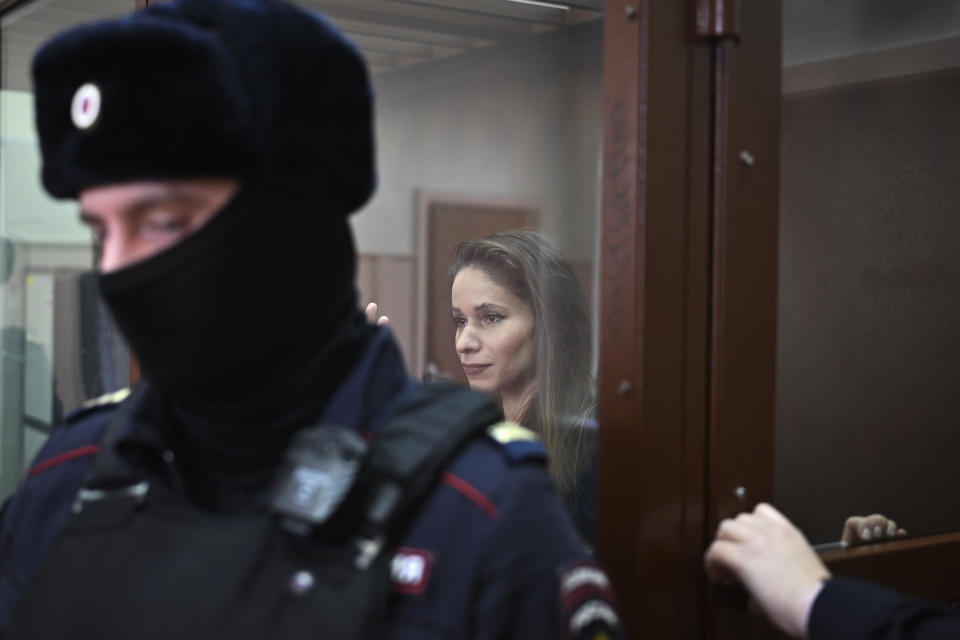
[{"x": 202, "y": 88}]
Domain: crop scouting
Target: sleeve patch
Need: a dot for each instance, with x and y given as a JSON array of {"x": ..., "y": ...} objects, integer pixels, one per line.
[{"x": 587, "y": 603}]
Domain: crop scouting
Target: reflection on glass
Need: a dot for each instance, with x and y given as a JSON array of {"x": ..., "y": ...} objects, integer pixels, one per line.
[
  {"x": 867, "y": 386},
  {"x": 59, "y": 348},
  {"x": 489, "y": 119},
  {"x": 38, "y": 395}
]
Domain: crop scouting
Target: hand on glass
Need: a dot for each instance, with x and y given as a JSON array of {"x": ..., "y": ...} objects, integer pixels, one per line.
[
  {"x": 372, "y": 318},
  {"x": 773, "y": 561},
  {"x": 861, "y": 529}
]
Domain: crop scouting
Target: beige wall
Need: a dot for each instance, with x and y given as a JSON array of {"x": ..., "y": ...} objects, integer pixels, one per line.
[
  {"x": 390, "y": 281},
  {"x": 521, "y": 121}
]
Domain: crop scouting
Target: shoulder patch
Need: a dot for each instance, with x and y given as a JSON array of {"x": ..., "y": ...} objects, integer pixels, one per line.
[
  {"x": 100, "y": 402},
  {"x": 506, "y": 431},
  {"x": 115, "y": 397},
  {"x": 517, "y": 442}
]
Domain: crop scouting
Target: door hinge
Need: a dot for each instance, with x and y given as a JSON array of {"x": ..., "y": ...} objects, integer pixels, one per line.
[{"x": 717, "y": 19}]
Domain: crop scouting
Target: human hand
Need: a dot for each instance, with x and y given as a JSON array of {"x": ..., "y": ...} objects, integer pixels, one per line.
[
  {"x": 773, "y": 561},
  {"x": 872, "y": 528},
  {"x": 371, "y": 312}
]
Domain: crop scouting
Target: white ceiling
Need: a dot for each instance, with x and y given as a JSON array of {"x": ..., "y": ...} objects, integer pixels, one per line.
[
  {"x": 399, "y": 33},
  {"x": 392, "y": 33}
]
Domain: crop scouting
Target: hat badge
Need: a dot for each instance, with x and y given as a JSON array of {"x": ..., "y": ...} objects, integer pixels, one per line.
[{"x": 85, "y": 108}]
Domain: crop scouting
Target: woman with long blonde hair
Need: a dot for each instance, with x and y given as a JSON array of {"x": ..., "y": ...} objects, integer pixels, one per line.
[{"x": 524, "y": 333}]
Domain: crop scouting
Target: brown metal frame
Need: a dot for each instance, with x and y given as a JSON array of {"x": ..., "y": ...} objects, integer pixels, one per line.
[
  {"x": 688, "y": 296},
  {"x": 655, "y": 297},
  {"x": 688, "y": 307},
  {"x": 746, "y": 205},
  {"x": 746, "y": 171}
]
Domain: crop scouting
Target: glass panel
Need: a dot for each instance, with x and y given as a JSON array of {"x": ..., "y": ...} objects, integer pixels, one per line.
[
  {"x": 489, "y": 117},
  {"x": 867, "y": 391},
  {"x": 58, "y": 345}
]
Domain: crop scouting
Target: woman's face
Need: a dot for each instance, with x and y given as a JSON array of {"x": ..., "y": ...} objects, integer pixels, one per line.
[{"x": 494, "y": 334}]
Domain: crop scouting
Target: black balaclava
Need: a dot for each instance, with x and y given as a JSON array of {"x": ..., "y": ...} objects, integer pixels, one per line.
[
  {"x": 225, "y": 314},
  {"x": 245, "y": 327}
]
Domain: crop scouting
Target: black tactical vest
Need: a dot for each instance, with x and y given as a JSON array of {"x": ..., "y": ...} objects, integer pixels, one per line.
[{"x": 135, "y": 560}]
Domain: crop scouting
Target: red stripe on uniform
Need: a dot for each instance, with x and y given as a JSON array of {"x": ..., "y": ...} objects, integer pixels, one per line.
[
  {"x": 471, "y": 493},
  {"x": 79, "y": 452}
]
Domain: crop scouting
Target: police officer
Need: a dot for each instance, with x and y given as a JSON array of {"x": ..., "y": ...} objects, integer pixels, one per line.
[{"x": 276, "y": 474}]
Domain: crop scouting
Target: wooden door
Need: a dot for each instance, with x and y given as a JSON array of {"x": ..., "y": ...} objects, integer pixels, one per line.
[{"x": 447, "y": 221}]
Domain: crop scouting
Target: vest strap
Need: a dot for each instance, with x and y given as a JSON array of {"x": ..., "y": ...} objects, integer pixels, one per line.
[{"x": 375, "y": 490}]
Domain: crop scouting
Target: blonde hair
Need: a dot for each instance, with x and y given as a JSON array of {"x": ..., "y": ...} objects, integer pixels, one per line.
[{"x": 531, "y": 267}]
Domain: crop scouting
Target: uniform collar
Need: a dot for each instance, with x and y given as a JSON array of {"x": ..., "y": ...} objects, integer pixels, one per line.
[
  {"x": 372, "y": 389},
  {"x": 363, "y": 400}
]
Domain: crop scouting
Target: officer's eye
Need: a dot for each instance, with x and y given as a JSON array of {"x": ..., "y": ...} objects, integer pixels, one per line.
[
  {"x": 459, "y": 322},
  {"x": 492, "y": 318},
  {"x": 165, "y": 225}
]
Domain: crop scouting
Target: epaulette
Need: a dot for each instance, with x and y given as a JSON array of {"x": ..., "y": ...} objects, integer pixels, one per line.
[
  {"x": 100, "y": 402},
  {"x": 517, "y": 442}
]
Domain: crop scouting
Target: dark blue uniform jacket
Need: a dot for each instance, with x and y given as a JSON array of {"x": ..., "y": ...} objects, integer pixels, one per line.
[
  {"x": 491, "y": 554},
  {"x": 854, "y": 610}
]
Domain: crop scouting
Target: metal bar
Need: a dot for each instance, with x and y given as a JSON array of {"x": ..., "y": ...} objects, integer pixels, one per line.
[{"x": 654, "y": 308}]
